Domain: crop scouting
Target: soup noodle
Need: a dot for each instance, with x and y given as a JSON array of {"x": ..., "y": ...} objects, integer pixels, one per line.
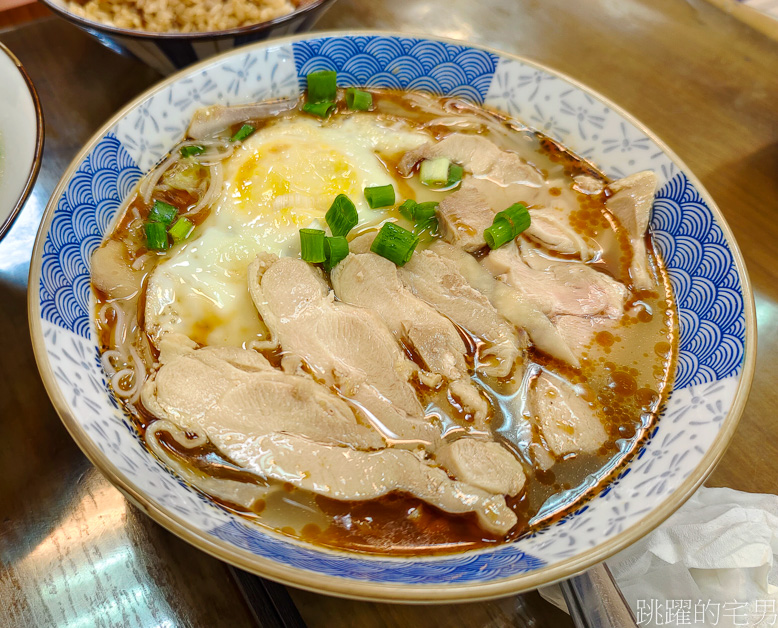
[{"x": 457, "y": 401}]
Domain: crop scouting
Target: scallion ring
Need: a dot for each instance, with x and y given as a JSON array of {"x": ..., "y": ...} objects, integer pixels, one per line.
[
  {"x": 156, "y": 236},
  {"x": 163, "y": 212},
  {"x": 434, "y": 171},
  {"x": 394, "y": 243},
  {"x": 322, "y": 86},
  {"x": 517, "y": 215},
  {"x": 342, "y": 216},
  {"x": 320, "y": 109},
  {"x": 501, "y": 232},
  {"x": 455, "y": 174},
  {"x": 380, "y": 196},
  {"x": 242, "y": 133},
  {"x": 312, "y": 245},
  {"x": 408, "y": 208},
  {"x": 181, "y": 230},
  {"x": 358, "y": 100},
  {"x": 335, "y": 251},
  {"x": 191, "y": 151}
]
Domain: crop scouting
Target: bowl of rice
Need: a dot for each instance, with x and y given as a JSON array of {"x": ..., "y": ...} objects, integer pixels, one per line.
[{"x": 171, "y": 34}]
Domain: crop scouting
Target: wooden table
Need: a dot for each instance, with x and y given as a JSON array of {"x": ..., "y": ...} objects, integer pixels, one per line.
[{"x": 74, "y": 553}]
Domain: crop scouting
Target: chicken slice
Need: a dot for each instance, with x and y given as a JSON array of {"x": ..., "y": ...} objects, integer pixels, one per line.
[
  {"x": 568, "y": 422},
  {"x": 341, "y": 345},
  {"x": 437, "y": 281},
  {"x": 370, "y": 281},
  {"x": 348, "y": 474},
  {"x": 237, "y": 392},
  {"x": 289, "y": 428},
  {"x": 587, "y": 184},
  {"x": 478, "y": 155},
  {"x": 465, "y": 214},
  {"x": 579, "y": 331},
  {"x": 557, "y": 287},
  {"x": 631, "y": 202},
  {"x": 112, "y": 272},
  {"x": 483, "y": 464},
  {"x": 552, "y": 229},
  {"x": 510, "y": 303}
]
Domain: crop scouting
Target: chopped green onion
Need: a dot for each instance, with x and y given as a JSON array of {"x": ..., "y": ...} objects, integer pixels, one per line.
[
  {"x": 190, "y": 151},
  {"x": 507, "y": 225},
  {"x": 242, "y": 133},
  {"x": 434, "y": 171},
  {"x": 320, "y": 109},
  {"x": 156, "y": 236},
  {"x": 341, "y": 216},
  {"x": 335, "y": 250},
  {"x": 408, "y": 209},
  {"x": 518, "y": 217},
  {"x": 421, "y": 214},
  {"x": 501, "y": 232},
  {"x": 162, "y": 212},
  {"x": 312, "y": 245},
  {"x": 425, "y": 211},
  {"x": 181, "y": 230},
  {"x": 380, "y": 196},
  {"x": 425, "y": 215},
  {"x": 394, "y": 243},
  {"x": 357, "y": 99},
  {"x": 455, "y": 173},
  {"x": 322, "y": 86}
]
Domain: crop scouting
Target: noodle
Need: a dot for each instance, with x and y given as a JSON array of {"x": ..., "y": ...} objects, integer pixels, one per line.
[
  {"x": 148, "y": 185},
  {"x": 214, "y": 188},
  {"x": 141, "y": 335}
]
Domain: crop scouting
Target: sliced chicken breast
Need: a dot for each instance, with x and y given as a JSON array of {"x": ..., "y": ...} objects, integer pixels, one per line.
[
  {"x": 289, "y": 428},
  {"x": 510, "y": 303},
  {"x": 568, "y": 422},
  {"x": 477, "y": 155},
  {"x": 370, "y": 281},
  {"x": 341, "y": 345},
  {"x": 631, "y": 202},
  {"x": 557, "y": 287},
  {"x": 348, "y": 474},
  {"x": 241, "y": 393},
  {"x": 437, "y": 281},
  {"x": 484, "y": 464}
]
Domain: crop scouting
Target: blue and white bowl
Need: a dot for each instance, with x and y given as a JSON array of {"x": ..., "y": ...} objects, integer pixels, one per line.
[{"x": 717, "y": 326}]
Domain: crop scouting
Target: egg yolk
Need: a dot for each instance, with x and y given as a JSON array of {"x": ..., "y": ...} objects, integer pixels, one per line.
[{"x": 292, "y": 182}]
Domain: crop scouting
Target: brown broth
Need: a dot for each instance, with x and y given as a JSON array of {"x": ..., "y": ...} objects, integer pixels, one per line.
[{"x": 629, "y": 369}]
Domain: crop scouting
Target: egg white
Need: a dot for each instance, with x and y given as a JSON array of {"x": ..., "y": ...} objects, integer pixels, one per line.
[{"x": 283, "y": 178}]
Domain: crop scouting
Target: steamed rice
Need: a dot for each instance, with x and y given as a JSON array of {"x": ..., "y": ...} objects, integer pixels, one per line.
[{"x": 185, "y": 16}]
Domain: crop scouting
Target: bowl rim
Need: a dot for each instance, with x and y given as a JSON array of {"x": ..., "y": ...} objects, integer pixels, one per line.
[
  {"x": 384, "y": 591},
  {"x": 35, "y": 166},
  {"x": 91, "y": 25}
]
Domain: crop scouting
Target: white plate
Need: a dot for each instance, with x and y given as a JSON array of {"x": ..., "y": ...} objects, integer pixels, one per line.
[{"x": 21, "y": 137}]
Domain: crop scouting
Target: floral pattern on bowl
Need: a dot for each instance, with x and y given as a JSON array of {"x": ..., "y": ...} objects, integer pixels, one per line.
[{"x": 715, "y": 306}]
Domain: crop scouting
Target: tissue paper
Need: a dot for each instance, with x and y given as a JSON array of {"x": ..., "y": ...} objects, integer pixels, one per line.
[{"x": 712, "y": 563}]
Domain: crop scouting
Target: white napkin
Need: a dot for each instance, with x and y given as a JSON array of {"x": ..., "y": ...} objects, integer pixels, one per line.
[{"x": 713, "y": 563}]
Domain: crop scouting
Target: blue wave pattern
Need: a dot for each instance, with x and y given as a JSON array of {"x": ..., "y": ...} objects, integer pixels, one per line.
[
  {"x": 84, "y": 211},
  {"x": 705, "y": 282},
  {"x": 701, "y": 266},
  {"x": 501, "y": 563},
  {"x": 400, "y": 63}
]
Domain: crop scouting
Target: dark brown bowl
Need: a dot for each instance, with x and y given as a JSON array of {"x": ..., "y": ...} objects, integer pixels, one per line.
[{"x": 169, "y": 52}]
